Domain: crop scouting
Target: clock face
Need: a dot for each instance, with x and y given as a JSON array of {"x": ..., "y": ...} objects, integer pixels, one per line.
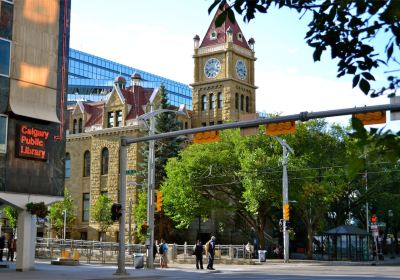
[
  {"x": 241, "y": 70},
  {"x": 212, "y": 67}
]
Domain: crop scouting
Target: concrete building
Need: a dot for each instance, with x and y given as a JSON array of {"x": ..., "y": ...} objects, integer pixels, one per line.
[{"x": 34, "y": 40}]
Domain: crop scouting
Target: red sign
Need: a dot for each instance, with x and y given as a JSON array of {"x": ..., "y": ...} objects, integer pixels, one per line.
[{"x": 31, "y": 142}]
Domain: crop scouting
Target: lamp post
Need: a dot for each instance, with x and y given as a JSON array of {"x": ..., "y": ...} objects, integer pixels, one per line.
[
  {"x": 285, "y": 196},
  {"x": 151, "y": 178}
]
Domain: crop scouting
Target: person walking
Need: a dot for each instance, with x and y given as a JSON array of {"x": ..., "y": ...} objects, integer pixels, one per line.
[
  {"x": 162, "y": 250},
  {"x": 154, "y": 250},
  {"x": 198, "y": 252},
  {"x": 2, "y": 245},
  {"x": 12, "y": 247},
  {"x": 211, "y": 253}
]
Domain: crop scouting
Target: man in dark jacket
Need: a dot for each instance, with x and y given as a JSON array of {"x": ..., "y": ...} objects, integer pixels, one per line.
[
  {"x": 198, "y": 252},
  {"x": 2, "y": 245},
  {"x": 211, "y": 253}
]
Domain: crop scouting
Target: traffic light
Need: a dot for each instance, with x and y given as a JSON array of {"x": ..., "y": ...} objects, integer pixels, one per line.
[
  {"x": 286, "y": 214},
  {"x": 116, "y": 211},
  {"x": 288, "y": 225},
  {"x": 159, "y": 201},
  {"x": 280, "y": 128},
  {"x": 206, "y": 137},
  {"x": 371, "y": 117}
]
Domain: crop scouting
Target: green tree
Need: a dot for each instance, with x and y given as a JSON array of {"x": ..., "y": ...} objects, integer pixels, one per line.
[
  {"x": 12, "y": 216},
  {"x": 164, "y": 149},
  {"x": 56, "y": 213},
  {"x": 351, "y": 30},
  {"x": 101, "y": 213},
  {"x": 236, "y": 175},
  {"x": 320, "y": 176}
]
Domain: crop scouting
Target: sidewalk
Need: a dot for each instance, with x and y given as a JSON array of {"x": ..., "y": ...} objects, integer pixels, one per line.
[{"x": 45, "y": 271}]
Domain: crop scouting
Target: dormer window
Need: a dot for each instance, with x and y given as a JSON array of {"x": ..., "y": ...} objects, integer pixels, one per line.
[
  {"x": 110, "y": 118},
  {"x": 119, "y": 118},
  {"x": 213, "y": 35},
  {"x": 240, "y": 37}
]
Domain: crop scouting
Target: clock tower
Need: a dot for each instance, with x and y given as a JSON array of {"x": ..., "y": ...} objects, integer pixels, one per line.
[{"x": 223, "y": 88}]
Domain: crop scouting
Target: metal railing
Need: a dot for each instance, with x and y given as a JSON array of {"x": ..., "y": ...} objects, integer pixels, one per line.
[{"x": 107, "y": 252}]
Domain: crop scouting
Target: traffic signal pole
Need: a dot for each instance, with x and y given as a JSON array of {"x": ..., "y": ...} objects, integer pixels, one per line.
[
  {"x": 150, "y": 193},
  {"x": 302, "y": 116},
  {"x": 285, "y": 198},
  {"x": 122, "y": 199}
]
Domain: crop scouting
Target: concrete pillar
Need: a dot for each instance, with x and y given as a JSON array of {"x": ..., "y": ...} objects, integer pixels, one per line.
[{"x": 26, "y": 241}]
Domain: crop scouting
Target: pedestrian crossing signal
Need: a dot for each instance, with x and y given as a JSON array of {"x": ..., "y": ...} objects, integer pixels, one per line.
[
  {"x": 371, "y": 117},
  {"x": 206, "y": 137},
  {"x": 280, "y": 128}
]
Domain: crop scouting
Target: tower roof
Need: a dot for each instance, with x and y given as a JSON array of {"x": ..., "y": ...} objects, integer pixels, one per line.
[{"x": 217, "y": 35}]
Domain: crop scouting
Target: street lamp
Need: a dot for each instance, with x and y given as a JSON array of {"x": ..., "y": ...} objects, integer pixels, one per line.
[
  {"x": 285, "y": 196},
  {"x": 151, "y": 177}
]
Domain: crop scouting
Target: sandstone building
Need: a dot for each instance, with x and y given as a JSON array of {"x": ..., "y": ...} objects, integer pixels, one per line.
[{"x": 223, "y": 90}]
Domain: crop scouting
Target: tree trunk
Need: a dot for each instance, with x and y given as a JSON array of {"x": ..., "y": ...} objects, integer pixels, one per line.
[
  {"x": 310, "y": 238},
  {"x": 261, "y": 238}
]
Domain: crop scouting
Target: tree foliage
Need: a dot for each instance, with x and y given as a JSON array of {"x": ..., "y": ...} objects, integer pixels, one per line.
[
  {"x": 164, "y": 149},
  {"x": 101, "y": 212},
  {"x": 12, "y": 216},
  {"x": 351, "y": 30},
  {"x": 56, "y": 213}
]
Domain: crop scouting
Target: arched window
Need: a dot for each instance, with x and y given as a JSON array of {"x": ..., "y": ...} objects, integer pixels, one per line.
[
  {"x": 80, "y": 126},
  {"x": 67, "y": 165},
  {"x": 86, "y": 164},
  {"x": 212, "y": 101},
  {"x": 236, "y": 100},
  {"x": 219, "y": 100},
  {"x": 104, "y": 161},
  {"x": 247, "y": 104},
  {"x": 203, "y": 102},
  {"x": 74, "y": 126},
  {"x": 241, "y": 102}
]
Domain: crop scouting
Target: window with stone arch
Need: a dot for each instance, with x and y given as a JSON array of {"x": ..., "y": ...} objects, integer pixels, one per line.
[
  {"x": 212, "y": 101},
  {"x": 247, "y": 104},
  {"x": 86, "y": 164},
  {"x": 104, "y": 161},
  {"x": 203, "y": 102},
  {"x": 67, "y": 165},
  {"x": 219, "y": 100},
  {"x": 242, "y": 102},
  {"x": 80, "y": 126},
  {"x": 74, "y": 126},
  {"x": 236, "y": 100}
]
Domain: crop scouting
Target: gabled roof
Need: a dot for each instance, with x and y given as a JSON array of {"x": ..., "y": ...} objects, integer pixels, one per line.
[
  {"x": 346, "y": 230},
  {"x": 94, "y": 113},
  {"x": 221, "y": 33}
]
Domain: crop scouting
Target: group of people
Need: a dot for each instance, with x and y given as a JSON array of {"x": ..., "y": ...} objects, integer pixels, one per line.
[
  {"x": 209, "y": 249},
  {"x": 11, "y": 247}
]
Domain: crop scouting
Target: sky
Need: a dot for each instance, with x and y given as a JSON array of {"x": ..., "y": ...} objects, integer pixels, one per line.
[{"x": 157, "y": 36}]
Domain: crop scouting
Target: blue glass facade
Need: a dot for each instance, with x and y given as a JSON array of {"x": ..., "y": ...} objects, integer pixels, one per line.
[{"x": 90, "y": 77}]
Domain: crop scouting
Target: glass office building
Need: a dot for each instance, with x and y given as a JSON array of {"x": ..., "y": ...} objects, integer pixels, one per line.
[{"x": 91, "y": 78}]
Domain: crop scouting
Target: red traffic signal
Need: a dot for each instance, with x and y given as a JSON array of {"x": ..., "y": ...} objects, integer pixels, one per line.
[{"x": 373, "y": 218}]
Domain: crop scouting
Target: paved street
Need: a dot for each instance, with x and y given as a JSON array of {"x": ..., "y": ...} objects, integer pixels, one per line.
[{"x": 277, "y": 271}]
